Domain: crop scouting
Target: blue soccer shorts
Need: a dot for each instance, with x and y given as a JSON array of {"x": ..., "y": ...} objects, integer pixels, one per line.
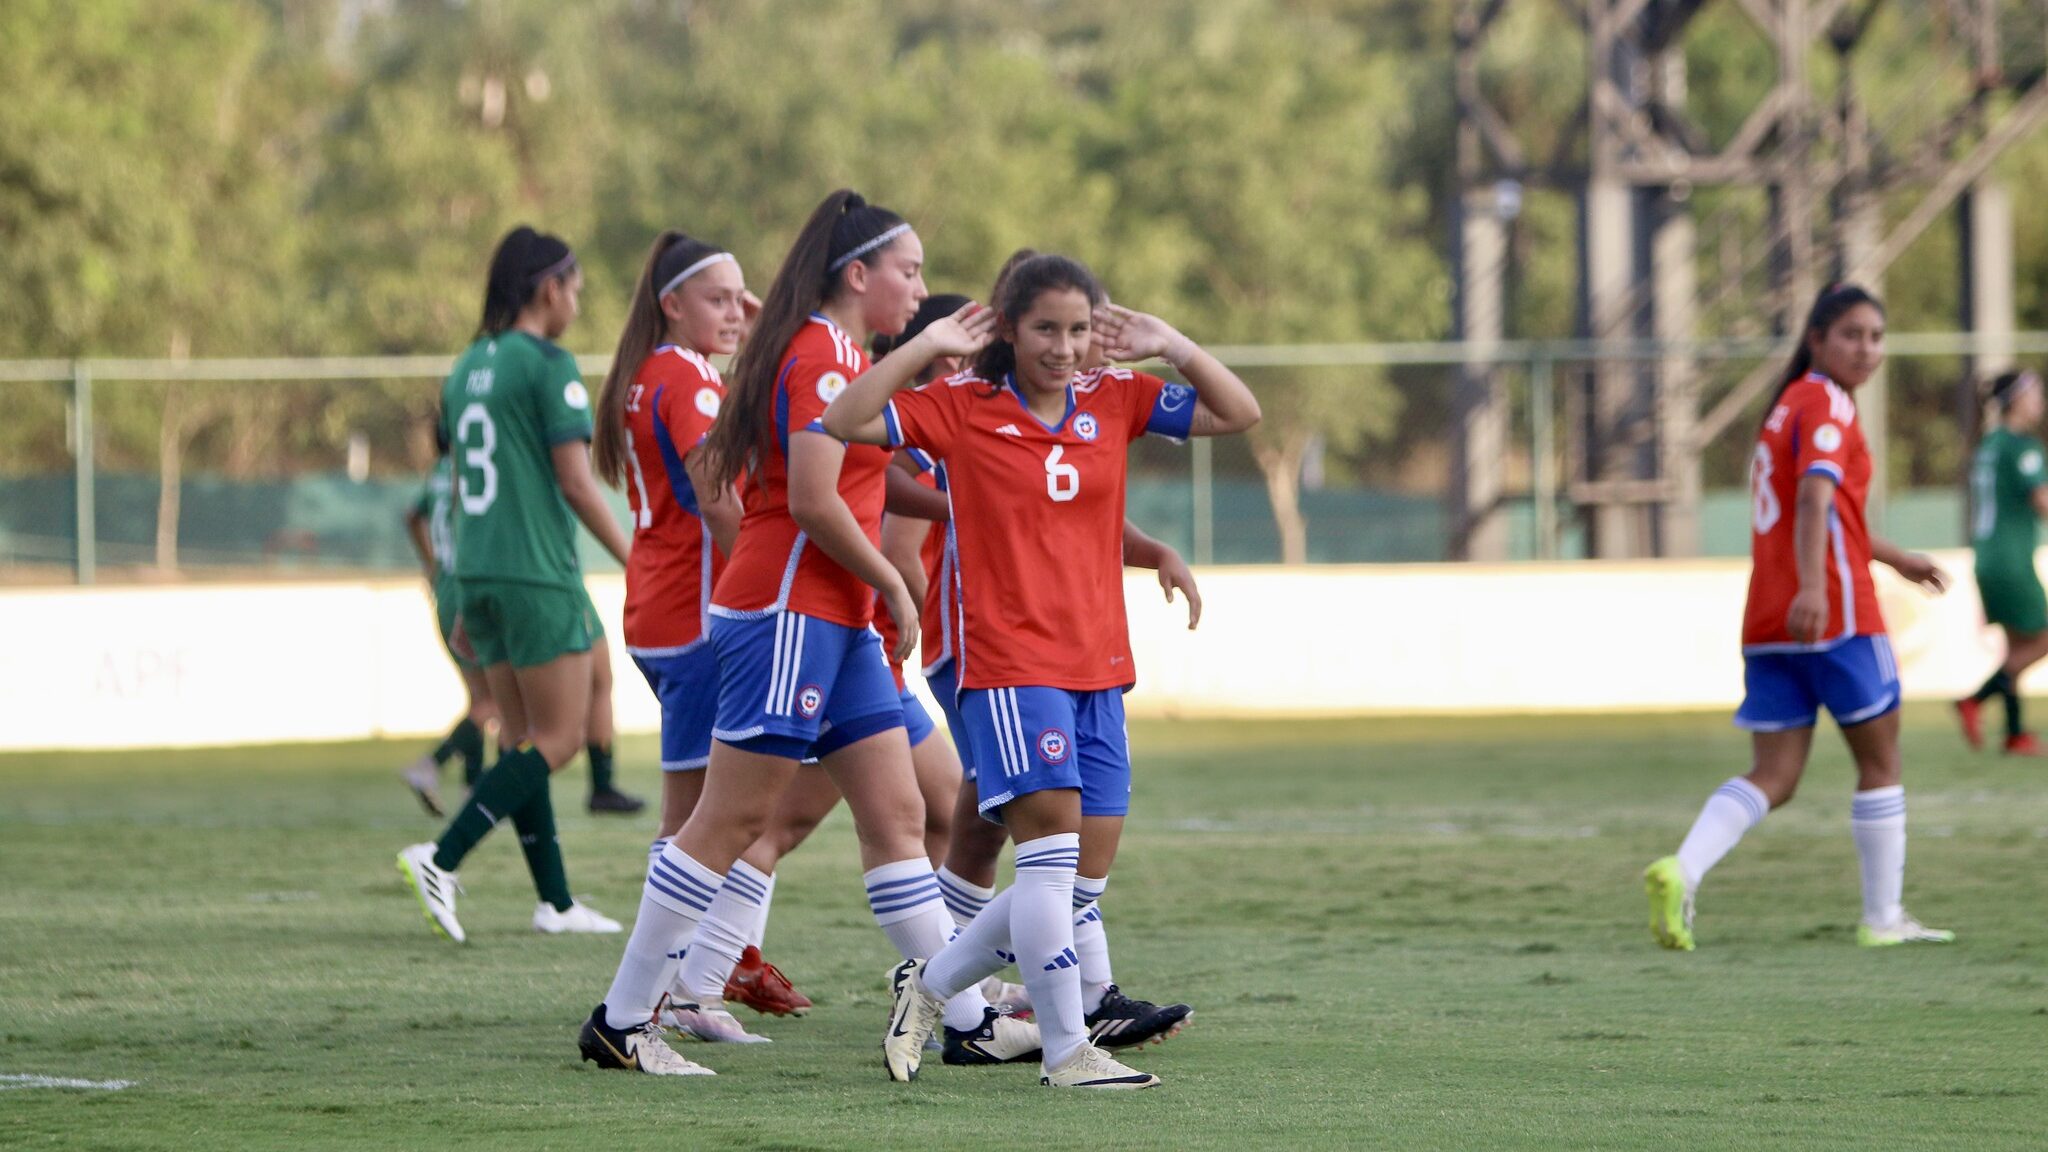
[
  {"x": 786, "y": 679},
  {"x": 1856, "y": 681},
  {"x": 1035, "y": 739},
  {"x": 685, "y": 681}
]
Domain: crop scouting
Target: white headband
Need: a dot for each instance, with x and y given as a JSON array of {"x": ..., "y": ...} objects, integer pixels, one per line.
[
  {"x": 866, "y": 248},
  {"x": 676, "y": 281}
]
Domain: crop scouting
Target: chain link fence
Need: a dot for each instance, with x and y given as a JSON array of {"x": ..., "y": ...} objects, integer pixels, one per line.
[{"x": 154, "y": 470}]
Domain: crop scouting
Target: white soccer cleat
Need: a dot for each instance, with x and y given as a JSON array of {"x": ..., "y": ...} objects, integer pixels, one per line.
[
  {"x": 1005, "y": 997},
  {"x": 639, "y": 1049},
  {"x": 711, "y": 1025},
  {"x": 435, "y": 888},
  {"x": 913, "y": 1018},
  {"x": 1091, "y": 1067},
  {"x": 999, "y": 1040},
  {"x": 579, "y": 918},
  {"x": 423, "y": 776},
  {"x": 1905, "y": 930}
]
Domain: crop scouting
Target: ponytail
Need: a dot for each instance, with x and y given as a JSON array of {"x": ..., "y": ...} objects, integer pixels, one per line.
[
  {"x": 1833, "y": 302},
  {"x": 1018, "y": 286},
  {"x": 524, "y": 260},
  {"x": 673, "y": 258},
  {"x": 842, "y": 229}
]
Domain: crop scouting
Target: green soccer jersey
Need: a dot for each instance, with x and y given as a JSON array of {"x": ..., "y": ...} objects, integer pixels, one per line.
[
  {"x": 511, "y": 398},
  {"x": 437, "y": 506},
  {"x": 2007, "y": 469}
]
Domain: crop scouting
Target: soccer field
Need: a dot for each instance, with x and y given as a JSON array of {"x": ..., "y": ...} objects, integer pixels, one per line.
[{"x": 1403, "y": 934}]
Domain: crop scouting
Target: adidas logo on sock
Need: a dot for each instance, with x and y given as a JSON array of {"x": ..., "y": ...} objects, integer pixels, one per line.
[
  {"x": 1008, "y": 430},
  {"x": 1066, "y": 959}
]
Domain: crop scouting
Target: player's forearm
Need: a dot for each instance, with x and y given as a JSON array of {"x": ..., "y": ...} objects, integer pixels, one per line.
[
  {"x": 903, "y": 545},
  {"x": 1140, "y": 550},
  {"x": 422, "y": 544},
  {"x": 720, "y": 508},
  {"x": 1810, "y": 531},
  {"x": 596, "y": 515},
  {"x": 830, "y": 525},
  {"x": 855, "y": 415},
  {"x": 1886, "y": 553},
  {"x": 1227, "y": 403},
  {"x": 906, "y": 497}
]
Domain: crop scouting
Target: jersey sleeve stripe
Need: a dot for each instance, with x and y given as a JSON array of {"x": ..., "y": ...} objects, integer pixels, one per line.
[
  {"x": 895, "y": 429},
  {"x": 1826, "y": 468}
]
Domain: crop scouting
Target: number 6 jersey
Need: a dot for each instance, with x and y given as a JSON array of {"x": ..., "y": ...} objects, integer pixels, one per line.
[
  {"x": 1038, "y": 517},
  {"x": 1812, "y": 430},
  {"x": 511, "y": 398}
]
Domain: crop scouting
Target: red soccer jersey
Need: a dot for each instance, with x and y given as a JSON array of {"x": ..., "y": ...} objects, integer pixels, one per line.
[
  {"x": 670, "y": 406},
  {"x": 1038, "y": 520},
  {"x": 775, "y": 566},
  {"x": 935, "y": 631},
  {"x": 1812, "y": 430}
]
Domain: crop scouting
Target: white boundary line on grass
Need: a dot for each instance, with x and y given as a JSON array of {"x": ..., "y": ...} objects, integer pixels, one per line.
[{"x": 12, "y": 1081}]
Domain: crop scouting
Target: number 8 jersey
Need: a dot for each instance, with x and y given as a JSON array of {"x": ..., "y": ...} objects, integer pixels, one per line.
[
  {"x": 1812, "y": 430},
  {"x": 1038, "y": 518},
  {"x": 511, "y": 398}
]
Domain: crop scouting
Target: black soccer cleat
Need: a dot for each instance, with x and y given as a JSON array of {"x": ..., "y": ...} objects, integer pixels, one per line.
[
  {"x": 1121, "y": 1022},
  {"x": 613, "y": 800},
  {"x": 639, "y": 1049},
  {"x": 1000, "y": 1040}
]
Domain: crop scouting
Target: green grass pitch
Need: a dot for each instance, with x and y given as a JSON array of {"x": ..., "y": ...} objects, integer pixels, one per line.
[{"x": 1397, "y": 934}]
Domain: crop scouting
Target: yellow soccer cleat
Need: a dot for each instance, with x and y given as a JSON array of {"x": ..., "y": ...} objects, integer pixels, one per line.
[
  {"x": 1670, "y": 904},
  {"x": 1904, "y": 930}
]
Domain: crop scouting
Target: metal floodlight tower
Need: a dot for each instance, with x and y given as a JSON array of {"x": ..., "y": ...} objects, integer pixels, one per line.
[{"x": 1633, "y": 158}]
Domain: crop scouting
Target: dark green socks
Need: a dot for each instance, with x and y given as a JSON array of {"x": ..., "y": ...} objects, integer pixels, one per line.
[
  {"x": 600, "y": 767},
  {"x": 502, "y": 792},
  {"x": 536, "y": 824}
]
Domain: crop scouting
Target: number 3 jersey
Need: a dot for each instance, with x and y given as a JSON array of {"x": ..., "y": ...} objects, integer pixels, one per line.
[
  {"x": 1812, "y": 431},
  {"x": 669, "y": 409},
  {"x": 1038, "y": 518},
  {"x": 511, "y": 398}
]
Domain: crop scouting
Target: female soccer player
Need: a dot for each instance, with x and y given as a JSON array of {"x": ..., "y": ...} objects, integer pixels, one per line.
[
  {"x": 657, "y": 404},
  {"x": 801, "y": 673},
  {"x": 1811, "y": 634},
  {"x": 1035, "y": 457},
  {"x": 2007, "y": 482},
  {"x": 430, "y": 524},
  {"x": 519, "y": 418},
  {"x": 967, "y": 877}
]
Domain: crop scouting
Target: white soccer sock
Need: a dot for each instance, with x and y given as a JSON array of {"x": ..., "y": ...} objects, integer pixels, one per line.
[
  {"x": 1091, "y": 941},
  {"x": 722, "y": 934},
  {"x": 905, "y": 899},
  {"x": 1877, "y": 818},
  {"x": 963, "y": 899},
  {"x": 1042, "y": 930},
  {"x": 1733, "y": 809},
  {"x": 761, "y": 925},
  {"x": 677, "y": 892},
  {"x": 978, "y": 951}
]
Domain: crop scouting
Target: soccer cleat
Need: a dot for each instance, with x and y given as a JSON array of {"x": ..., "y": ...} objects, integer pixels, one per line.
[
  {"x": 580, "y": 918},
  {"x": 435, "y": 888},
  {"x": 1000, "y": 1040},
  {"x": 1009, "y": 999},
  {"x": 2024, "y": 744},
  {"x": 1905, "y": 930},
  {"x": 638, "y": 1049},
  {"x": 1091, "y": 1067},
  {"x": 423, "y": 776},
  {"x": 711, "y": 1025},
  {"x": 613, "y": 800},
  {"x": 1121, "y": 1022},
  {"x": 1971, "y": 714},
  {"x": 762, "y": 986},
  {"x": 912, "y": 1019},
  {"x": 1670, "y": 904}
]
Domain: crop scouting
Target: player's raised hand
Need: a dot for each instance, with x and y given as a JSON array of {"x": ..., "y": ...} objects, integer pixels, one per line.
[
  {"x": 750, "y": 311},
  {"x": 1123, "y": 334},
  {"x": 1175, "y": 573},
  {"x": 962, "y": 334}
]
